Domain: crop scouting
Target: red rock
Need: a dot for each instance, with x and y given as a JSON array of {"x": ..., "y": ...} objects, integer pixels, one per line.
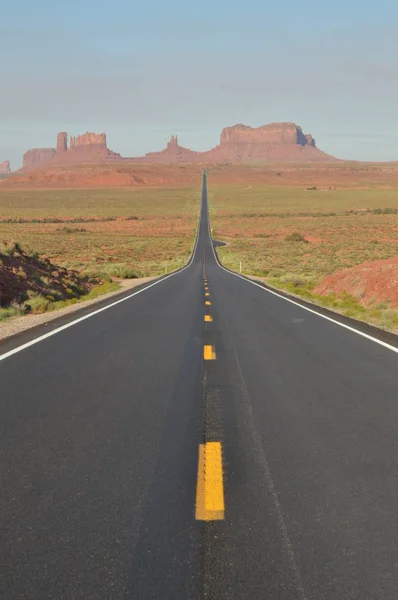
[
  {"x": 310, "y": 140},
  {"x": 173, "y": 153},
  {"x": 88, "y": 147},
  {"x": 173, "y": 143},
  {"x": 90, "y": 139},
  {"x": 276, "y": 142},
  {"x": 282, "y": 142},
  {"x": 62, "y": 142},
  {"x": 5, "y": 167},
  {"x": 87, "y": 139},
  {"x": 37, "y": 157}
]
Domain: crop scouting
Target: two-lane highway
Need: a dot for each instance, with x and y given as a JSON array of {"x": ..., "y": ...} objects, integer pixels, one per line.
[{"x": 202, "y": 438}]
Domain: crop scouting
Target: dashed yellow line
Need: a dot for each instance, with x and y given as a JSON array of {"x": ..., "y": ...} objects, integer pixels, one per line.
[
  {"x": 209, "y": 352},
  {"x": 208, "y": 303},
  {"x": 208, "y": 319},
  {"x": 207, "y": 293},
  {"x": 210, "y": 486}
]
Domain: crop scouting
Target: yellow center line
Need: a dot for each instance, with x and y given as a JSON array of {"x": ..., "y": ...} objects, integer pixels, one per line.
[
  {"x": 208, "y": 303},
  {"x": 210, "y": 486},
  {"x": 208, "y": 319},
  {"x": 207, "y": 294},
  {"x": 209, "y": 352}
]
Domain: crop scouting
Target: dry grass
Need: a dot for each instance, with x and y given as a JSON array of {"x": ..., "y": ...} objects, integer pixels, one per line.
[
  {"x": 294, "y": 238},
  {"x": 122, "y": 233}
]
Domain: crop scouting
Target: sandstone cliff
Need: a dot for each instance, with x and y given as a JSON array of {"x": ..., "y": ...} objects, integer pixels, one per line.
[
  {"x": 62, "y": 142},
  {"x": 37, "y": 157},
  {"x": 276, "y": 142},
  {"x": 88, "y": 139},
  {"x": 5, "y": 167},
  {"x": 88, "y": 147},
  {"x": 172, "y": 153}
]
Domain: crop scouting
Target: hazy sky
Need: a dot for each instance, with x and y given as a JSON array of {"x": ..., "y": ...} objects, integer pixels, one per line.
[{"x": 142, "y": 70}]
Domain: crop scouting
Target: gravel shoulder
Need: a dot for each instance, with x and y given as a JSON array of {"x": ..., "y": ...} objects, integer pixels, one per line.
[{"x": 20, "y": 324}]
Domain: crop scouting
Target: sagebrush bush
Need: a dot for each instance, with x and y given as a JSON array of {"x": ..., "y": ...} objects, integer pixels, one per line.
[{"x": 296, "y": 236}]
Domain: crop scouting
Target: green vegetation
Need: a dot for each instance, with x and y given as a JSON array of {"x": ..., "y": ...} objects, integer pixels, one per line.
[
  {"x": 30, "y": 284},
  {"x": 40, "y": 304},
  {"x": 338, "y": 229},
  {"x": 9, "y": 312},
  {"x": 295, "y": 237},
  {"x": 104, "y": 288}
]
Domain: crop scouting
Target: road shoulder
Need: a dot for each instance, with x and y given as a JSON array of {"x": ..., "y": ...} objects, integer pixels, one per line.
[{"x": 19, "y": 325}]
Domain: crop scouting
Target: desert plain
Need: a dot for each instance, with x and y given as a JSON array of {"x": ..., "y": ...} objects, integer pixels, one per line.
[{"x": 322, "y": 229}]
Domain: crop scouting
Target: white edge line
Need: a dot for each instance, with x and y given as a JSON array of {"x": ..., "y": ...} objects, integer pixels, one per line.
[
  {"x": 314, "y": 312},
  {"x": 100, "y": 310}
]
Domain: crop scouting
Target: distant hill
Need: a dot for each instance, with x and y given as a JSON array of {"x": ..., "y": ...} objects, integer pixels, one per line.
[
  {"x": 5, "y": 168},
  {"x": 276, "y": 142}
]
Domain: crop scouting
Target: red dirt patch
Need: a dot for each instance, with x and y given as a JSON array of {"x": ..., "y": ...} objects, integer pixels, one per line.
[
  {"x": 348, "y": 175},
  {"x": 370, "y": 282},
  {"x": 106, "y": 176}
]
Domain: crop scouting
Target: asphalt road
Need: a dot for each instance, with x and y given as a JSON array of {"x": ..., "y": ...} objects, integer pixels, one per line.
[{"x": 100, "y": 429}]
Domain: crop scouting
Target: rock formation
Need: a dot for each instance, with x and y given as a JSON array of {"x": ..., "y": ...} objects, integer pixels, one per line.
[
  {"x": 173, "y": 143},
  {"x": 89, "y": 147},
  {"x": 37, "y": 157},
  {"x": 89, "y": 139},
  {"x": 310, "y": 140},
  {"x": 276, "y": 142},
  {"x": 173, "y": 153},
  {"x": 5, "y": 167},
  {"x": 62, "y": 142}
]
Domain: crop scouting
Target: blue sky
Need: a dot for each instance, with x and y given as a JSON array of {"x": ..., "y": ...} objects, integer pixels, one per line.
[{"x": 141, "y": 71}]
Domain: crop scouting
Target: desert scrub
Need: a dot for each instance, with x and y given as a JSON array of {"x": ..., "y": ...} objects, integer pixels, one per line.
[
  {"x": 104, "y": 288},
  {"x": 121, "y": 271},
  {"x": 71, "y": 229},
  {"x": 295, "y": 237},
  {"x": 142, "y": 229},
  {"x": 40, "y": 304},
  {"x": 36, "y": 304},
  {"x": 10, "y": 311},
  {"x": 8, "y": 249}
]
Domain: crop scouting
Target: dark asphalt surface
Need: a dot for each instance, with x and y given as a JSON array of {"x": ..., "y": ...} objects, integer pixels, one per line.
[{"x": 99, "y": 432}]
